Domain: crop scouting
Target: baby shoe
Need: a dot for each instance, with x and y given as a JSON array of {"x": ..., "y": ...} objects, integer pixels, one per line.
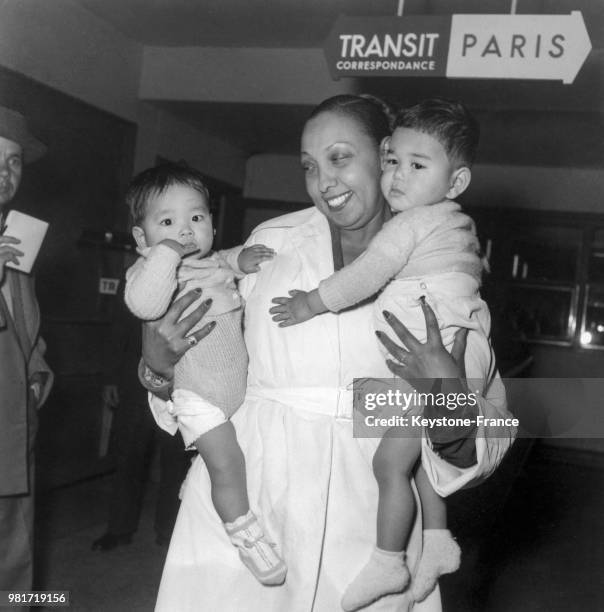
[{"x": 256, "y": 552}]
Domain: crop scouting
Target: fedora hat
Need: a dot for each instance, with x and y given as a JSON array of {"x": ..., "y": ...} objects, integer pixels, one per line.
[{"x": 13, "y": 126}]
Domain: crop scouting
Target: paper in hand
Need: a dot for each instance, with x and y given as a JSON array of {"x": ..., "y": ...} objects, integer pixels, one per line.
[{"x": 30, "y": 231}]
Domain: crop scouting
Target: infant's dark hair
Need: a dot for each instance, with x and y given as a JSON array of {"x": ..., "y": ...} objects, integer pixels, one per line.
[
  {"x": 450, "y": 122},
  {"x": 154, "y": 181}
]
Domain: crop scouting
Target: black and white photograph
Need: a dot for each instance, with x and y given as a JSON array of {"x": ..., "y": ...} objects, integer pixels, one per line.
[{"x": 215, "y": 394}]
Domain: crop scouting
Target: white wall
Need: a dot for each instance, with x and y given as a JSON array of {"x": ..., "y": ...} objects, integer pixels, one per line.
[
  {"x": 275, "y": 177},
  {"x": 62, "y": 45},
  {"x": 279, "y": 177},
  {"x": 278, "y": 76},
  {"x": 162, "y": 134}
]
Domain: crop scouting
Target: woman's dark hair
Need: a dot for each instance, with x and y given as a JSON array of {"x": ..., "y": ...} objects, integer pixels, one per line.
[
  {"x": 373, "y": 115},
  {"x": 154, "y": 181},
  {"x": 449, "y": 122}
]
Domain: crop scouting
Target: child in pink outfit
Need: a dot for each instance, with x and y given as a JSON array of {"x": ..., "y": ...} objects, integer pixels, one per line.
[
  {"x": 174, "y": 233},
  {"x": 429, "y": 250}
]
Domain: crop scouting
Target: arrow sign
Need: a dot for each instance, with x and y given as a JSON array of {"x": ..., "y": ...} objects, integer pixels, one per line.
[
  {"x": 552, "y": 47},
  {"x": 549, "y": 47}
]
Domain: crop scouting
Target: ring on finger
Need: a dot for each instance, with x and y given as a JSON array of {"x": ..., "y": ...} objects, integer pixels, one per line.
[
  {"x": 403, "y": 359},
  {"x": 192, "y": 340}
]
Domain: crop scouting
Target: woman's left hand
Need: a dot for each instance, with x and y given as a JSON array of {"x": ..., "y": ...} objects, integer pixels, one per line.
[
  {"x": 430, "y": 360},
  {"x": 432, "y": 368}
]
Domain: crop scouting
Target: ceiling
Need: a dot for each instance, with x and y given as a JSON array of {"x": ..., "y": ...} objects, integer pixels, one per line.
[
  {"x": 528, "y": 123},
  {"x": 294, "y": 23}
]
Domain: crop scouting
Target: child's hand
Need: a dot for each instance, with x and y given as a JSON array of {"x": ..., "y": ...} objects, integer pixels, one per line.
[
  {"x": 181, "y": 249},
  {"x": 250, "y": 258},
  {"x": 174, "y": 245},
  {"x": 292, "y": 310}
]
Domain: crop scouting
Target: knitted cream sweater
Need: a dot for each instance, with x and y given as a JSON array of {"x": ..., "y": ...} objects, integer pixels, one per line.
[
  {"x": 155, "y": 276},
  {"x": 414, "y": 243},
  {"x": 216, "y": 368}
]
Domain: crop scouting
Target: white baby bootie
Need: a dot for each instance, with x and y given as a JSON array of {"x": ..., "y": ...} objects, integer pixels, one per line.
[
  {"x": 385, "y": 573},
  {"x": 440, "y": 555},
  {"x": 256, "y": 552}
]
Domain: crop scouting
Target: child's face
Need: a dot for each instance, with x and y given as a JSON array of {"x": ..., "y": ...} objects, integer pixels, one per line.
[
  {"x": 180, "y": 213},
  {"x": 416, "y": 170}
]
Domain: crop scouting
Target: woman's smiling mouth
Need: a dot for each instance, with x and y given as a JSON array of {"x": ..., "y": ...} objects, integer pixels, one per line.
[{"x": 338, "y": 202}]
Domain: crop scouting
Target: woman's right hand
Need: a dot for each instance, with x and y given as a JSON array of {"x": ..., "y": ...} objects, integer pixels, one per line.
[
  {"x": 166, "y": 340},
  {"x": 8, "y": 253}
]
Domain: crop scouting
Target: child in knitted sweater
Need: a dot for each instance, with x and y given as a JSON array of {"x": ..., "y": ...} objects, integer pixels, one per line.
[
  {"x": 429, "y": 250},
  {"x": 174, "y": 233}
]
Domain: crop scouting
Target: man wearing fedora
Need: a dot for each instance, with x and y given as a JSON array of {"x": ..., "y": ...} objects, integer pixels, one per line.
[{"x": 25, "y": 379}]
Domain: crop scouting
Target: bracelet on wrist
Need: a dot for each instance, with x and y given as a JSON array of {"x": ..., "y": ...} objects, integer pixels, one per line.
[{"x": 154, "y": 379}]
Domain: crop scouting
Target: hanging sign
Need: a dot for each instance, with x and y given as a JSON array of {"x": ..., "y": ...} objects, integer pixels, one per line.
[
  {"x": 388, "y": 46},
  {"x": 552, "y": 47},
  {"x": 548, "y": 47}
]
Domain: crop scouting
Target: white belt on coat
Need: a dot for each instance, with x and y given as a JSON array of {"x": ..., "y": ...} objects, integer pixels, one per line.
[{"x": 329, "y": 401}]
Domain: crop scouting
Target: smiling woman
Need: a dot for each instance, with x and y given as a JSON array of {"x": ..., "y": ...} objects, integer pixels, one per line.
[
  {"x": 340, "y": 158},
  {"x": 307, "y": 474},
  {"x": 427, "y": 253}
]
